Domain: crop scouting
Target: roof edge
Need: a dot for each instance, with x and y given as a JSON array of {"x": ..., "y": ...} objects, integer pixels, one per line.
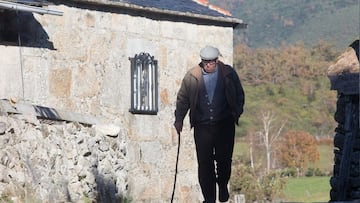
[
  {"x": 27, "y": 8},
  {"x": 235, "y": 22}
]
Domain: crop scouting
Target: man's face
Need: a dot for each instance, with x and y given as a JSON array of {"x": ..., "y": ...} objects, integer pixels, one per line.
[{"x": 209, "y": 65}]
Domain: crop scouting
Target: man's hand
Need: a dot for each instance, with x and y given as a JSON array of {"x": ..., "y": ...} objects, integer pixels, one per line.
[{"x": 178, "y": 126}]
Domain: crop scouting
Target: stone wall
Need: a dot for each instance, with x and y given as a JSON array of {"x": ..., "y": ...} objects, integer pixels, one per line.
[
  {"x": 47, "y": 161},
  {"x": 88, "y": 71}
]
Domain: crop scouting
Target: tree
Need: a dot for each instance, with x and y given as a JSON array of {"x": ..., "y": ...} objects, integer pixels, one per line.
[
  {"x": 282, "y": 65},
  {"x": 297, "y": 149},
  {"x": 269, "y": 135}
]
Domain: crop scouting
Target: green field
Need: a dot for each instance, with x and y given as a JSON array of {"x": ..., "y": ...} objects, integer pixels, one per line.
[
  {"x": 303, "y": 189},
  {"x": 307, "y": 189}
]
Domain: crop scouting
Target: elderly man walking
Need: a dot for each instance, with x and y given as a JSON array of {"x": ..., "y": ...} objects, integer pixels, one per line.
[{"x": 213, "y": 93}]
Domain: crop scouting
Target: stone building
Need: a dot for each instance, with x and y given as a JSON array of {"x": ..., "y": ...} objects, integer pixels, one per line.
[
  {"x": 88, "y": 89},
  {"x": 344, "y": 77}
]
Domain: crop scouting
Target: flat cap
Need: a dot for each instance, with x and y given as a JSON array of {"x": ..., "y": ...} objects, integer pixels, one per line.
[{"x": 209, "y": 53}]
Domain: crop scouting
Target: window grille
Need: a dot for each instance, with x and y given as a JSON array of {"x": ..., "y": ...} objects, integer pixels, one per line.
[{"x": 144, "y": 84}]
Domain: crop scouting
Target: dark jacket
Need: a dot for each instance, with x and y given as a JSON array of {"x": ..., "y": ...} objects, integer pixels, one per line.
[{"x": 189, "y": 90}]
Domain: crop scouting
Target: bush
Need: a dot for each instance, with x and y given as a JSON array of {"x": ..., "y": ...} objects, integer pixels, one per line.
[
  {"x": 256, "y": 186},
  {"x": 289, "y": 172},
  {"x": 272, "y": 186},
  {"x": 318, "y": 172},
  {"x": 310, "y": 172},
  {"x": 314, "y": 172},
  {"x": 244, "y": 182}
]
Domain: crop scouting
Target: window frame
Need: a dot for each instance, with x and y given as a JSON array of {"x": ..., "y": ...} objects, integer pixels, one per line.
[{"x": 144, "y": 84}]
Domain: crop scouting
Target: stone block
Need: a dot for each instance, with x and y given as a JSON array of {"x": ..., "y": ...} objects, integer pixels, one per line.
[{"x": 60, "y": 81}]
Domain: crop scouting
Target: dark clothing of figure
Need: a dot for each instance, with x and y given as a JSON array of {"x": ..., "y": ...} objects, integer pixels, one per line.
[
  {"x": 214, "y": 142},
  {"x": 210, "y": 112},
  {"x": 187, "y": 97},
  {"x": 214, "y": 124}
]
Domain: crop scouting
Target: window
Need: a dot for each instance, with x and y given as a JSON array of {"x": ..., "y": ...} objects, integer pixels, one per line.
[{"x": 144, "y": 87}]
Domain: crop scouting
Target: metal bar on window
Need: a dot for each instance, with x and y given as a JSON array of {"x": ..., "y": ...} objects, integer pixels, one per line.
[
  {"x": 138, "y": 86},
  {"x": 146, "y": 84},
  {"x": 150, "y": 93}
]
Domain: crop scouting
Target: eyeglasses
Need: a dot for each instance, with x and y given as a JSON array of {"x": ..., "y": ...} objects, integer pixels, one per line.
[{"x": 211, "y": 62}]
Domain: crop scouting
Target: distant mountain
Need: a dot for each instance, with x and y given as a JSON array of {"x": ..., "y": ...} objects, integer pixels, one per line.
[{"x": 272, "y": 22}]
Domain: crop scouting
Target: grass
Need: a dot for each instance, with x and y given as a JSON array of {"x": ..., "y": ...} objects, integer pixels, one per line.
[
  {"x": 312, "y": 189},
  {"x": 303, "y": 189},
  {"x": 307, "y": 189}
]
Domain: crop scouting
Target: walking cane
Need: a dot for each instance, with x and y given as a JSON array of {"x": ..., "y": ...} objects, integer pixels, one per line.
[{"x": 176, "y": 167}]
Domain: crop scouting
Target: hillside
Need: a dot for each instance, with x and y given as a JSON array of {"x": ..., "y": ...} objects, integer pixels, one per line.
[
  {"x": 271, "y": 23},
  {"x": 291, "y": 83}
]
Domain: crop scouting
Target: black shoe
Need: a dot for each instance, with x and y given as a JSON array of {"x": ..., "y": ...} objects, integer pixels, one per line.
[{"x": 223, "y": 194}]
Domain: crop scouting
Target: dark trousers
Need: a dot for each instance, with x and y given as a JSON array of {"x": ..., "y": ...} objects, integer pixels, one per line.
[{"x": 214, "y": 142}]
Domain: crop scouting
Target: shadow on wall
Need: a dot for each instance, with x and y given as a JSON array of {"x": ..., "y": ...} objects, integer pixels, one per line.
[
  {"x": 19, "y": 28},
  {"x": 107, "y": 191}
]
